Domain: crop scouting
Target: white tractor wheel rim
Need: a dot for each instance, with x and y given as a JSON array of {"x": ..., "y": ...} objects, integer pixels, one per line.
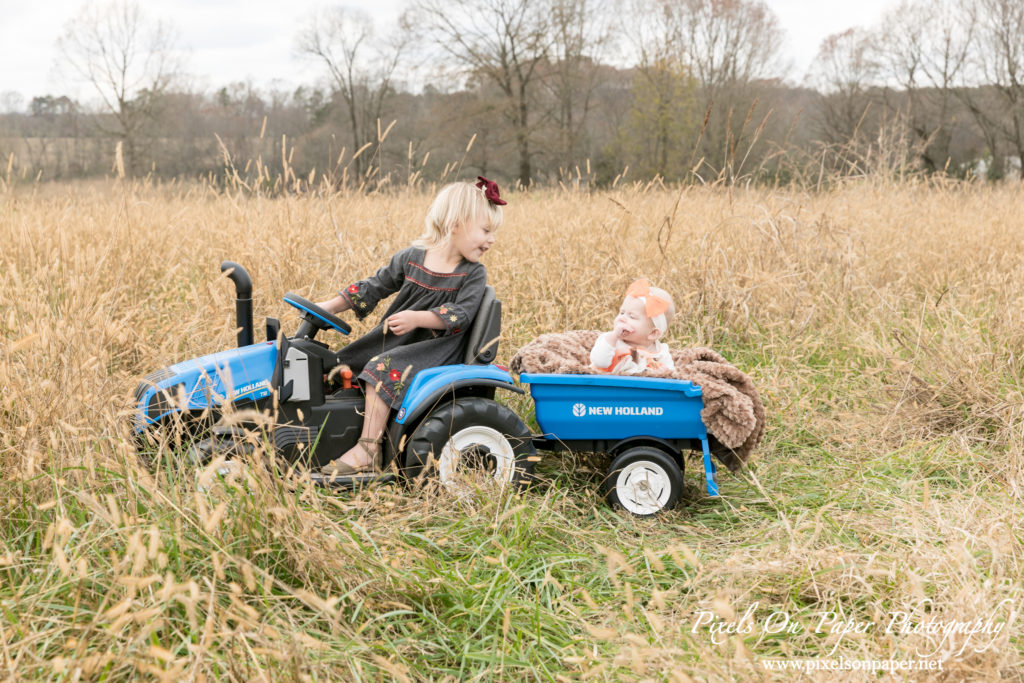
[
  {"x": 476, "y": 437},
  {"x": 643, "y": 487}
]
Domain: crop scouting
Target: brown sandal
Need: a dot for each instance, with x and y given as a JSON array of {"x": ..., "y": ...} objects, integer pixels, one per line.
[{"x": 338, "y": 468}]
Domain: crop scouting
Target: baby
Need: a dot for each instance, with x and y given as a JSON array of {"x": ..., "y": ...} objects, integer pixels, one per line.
[{"x": 632, "y": 346}]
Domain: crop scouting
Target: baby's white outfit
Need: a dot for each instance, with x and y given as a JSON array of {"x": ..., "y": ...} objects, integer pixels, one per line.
[{"x": 606, "y": 358}]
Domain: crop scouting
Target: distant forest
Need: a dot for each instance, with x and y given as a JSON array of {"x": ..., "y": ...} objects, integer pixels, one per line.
[{"x": 541, "y": 92}]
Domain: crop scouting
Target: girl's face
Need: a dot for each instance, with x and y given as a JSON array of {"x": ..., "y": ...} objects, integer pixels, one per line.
[
  {"x": 473, "y": 238},
  {"x": 632, "y": 324}
]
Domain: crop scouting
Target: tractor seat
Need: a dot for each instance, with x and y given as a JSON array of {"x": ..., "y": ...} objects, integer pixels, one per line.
[{"x": 482, "y": 345}]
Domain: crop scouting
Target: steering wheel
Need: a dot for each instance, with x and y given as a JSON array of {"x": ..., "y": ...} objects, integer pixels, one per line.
[{"x": 316, "y": 316}]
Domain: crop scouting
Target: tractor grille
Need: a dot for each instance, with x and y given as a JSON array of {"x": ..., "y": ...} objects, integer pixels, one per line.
[
  {"x": 150, "y": 380},
  {"x": 164, "y": 401}
]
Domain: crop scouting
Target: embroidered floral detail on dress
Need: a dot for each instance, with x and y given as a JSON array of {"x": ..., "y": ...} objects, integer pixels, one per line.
[
  {"x": 353, "y": 295},
  {"x": 443, "y": 310},
  {"x": 410, "y": 278},
  {"x": 434, "y": 272},
  {"x": 453, "y": 318},
  {"x": 393, "y": 374}
]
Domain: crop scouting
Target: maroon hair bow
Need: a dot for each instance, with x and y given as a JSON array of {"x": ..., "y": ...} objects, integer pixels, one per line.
[{"x": 490, "y": 189}]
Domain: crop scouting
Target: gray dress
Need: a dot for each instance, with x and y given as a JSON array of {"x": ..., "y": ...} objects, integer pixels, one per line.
[{"x": 387, "y": 361}]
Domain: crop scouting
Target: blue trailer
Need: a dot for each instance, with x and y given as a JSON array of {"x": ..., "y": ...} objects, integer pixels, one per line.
[{"x": 645, "y": 423}]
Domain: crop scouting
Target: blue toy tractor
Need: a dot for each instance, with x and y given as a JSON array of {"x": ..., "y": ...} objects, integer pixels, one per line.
[
  {"x": 448, "y": 422},
  {"x": 449, "y": 415}
]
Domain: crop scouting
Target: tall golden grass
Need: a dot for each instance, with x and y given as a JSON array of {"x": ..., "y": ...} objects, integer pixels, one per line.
[{"x": 882, "y": 322}]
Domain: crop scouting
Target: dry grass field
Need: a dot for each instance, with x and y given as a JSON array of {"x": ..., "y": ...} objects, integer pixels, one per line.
[{"x": 880, "y": 519}]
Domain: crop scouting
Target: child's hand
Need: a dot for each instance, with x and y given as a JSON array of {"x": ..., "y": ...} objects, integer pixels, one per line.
[
  {"x": 620, "y": 330},
  {"x": 402, "y": 322},
  {"x": 612, "y": 338}
]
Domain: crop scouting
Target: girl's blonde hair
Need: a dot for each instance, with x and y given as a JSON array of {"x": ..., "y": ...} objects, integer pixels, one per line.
[{"x": 456, "y": 204}]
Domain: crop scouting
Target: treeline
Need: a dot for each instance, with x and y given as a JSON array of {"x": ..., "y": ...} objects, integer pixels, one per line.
[{"x": 544, "y": 91}]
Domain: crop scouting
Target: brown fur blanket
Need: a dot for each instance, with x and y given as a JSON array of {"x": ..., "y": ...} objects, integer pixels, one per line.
[{"x": 733, "y": 412}]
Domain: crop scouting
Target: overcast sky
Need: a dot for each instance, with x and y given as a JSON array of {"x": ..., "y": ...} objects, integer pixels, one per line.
[{"x": 238, "y": 40}]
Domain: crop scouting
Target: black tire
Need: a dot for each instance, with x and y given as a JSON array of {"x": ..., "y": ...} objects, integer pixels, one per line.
[
  {"x": 644, "y": 481},
  {"x": 471, "y": 432},
  {"x": 181, "y": 431},
  {"x": 196, "y": 454},
  {"x": 202, "y": 453}
]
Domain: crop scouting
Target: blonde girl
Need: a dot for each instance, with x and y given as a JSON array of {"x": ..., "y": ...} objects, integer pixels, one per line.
[{"x": 439, "y": 282}]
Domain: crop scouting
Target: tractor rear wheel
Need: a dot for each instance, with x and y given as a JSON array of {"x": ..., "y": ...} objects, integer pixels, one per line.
[{"x": 471, "y": 435}]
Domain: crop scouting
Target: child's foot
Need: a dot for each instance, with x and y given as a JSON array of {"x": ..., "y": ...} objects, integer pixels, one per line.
[{"x": 362, "y": 458}]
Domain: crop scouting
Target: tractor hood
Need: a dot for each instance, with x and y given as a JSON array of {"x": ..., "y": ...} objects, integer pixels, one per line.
[{"x": 237, "y": 375}]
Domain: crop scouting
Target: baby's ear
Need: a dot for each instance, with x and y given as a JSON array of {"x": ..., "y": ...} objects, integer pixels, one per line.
[{"x": 654, "y": 335}]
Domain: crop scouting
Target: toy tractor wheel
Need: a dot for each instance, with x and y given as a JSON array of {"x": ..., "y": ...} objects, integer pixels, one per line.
[
  {"x": 467, "y": 435},
  {"x": 187, "y": 457},
  {"x": 644, "y": 481},
  {"x": 200, "y": 453}
]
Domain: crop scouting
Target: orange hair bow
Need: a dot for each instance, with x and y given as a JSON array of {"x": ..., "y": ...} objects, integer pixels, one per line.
[{"x": 654, "y": 305}]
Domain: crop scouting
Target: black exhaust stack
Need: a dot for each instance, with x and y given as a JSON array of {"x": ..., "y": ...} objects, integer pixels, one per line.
[{"x": 243, "y": 301}]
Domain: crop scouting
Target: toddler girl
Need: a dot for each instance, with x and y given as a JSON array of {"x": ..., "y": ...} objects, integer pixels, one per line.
[
  {"x": 632, "y": 346},
  {"x": 440, "y": 283}
]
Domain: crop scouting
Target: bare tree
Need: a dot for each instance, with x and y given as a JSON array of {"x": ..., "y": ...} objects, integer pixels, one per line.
[
  {"x": 844, "y": 72},
  {"x": 732, "y": 49},
  {"x": 501, "y": 41},
  {"x": 923, "y": 46},
  {"x": 360, "y": 65},
  {"x": 129, "y": 61},
  {"x": 1000, "y": 53},
  {"x": 731, "y": 42},
  {"x": 663, "y": 110},
  {"x": 581, "y": 36},
  {"x": 977, "y": 96},
  {"x": 11, "y": 102}
]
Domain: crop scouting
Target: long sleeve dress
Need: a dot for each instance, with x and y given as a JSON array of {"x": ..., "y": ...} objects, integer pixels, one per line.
[{"x": 388, "y": 361}]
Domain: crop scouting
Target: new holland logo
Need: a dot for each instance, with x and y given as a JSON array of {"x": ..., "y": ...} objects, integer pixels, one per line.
[{"x": 582, "y": 410}]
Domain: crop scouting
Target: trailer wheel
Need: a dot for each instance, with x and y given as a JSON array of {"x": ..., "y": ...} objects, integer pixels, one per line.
[
  {"x": 471, "y": 434},
  {"x": 644, "y": 481}
]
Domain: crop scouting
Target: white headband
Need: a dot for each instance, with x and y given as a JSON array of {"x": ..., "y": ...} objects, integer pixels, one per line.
[{"x": 660, "y": 322}]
